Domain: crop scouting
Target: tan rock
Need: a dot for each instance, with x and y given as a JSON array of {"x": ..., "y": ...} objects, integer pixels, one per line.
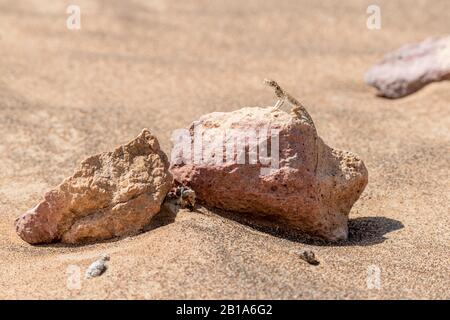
[
  {"x": 111, "y": 194},
  {"x": 311, "y": 188},
  {"x": 411, "y": 67}
]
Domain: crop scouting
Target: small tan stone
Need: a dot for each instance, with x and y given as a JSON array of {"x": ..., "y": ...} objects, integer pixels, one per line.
[{"x": 111, "y": 194}]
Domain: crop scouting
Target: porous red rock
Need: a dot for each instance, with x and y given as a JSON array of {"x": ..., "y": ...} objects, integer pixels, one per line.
[
  {"x": 312, "y": 189},
  {"x": 111, "y": 194},
  {"x": 411, "y": 67}
]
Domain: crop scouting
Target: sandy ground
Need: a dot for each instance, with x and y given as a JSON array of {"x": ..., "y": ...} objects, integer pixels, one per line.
[{"x": 160, "y": 64}]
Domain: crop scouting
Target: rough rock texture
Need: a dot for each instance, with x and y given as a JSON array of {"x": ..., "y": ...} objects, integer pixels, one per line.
[
  {"x": 111, "y": 194},
  {"x": 411, "y": 67},
  {"x": 312, "y": 191}
]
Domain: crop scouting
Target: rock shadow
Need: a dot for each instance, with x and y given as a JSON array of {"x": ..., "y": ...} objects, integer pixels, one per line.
[
  {"x": 366, "y": 231},
  {"x": 166, "y": 216},
  {"x": 363, "y": 231}
]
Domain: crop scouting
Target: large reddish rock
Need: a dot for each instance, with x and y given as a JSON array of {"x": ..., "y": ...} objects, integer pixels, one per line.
[
  {"x": 311, "y": 188},
  {"x": 111, "y": 194},
  {"x": 411, "y": 67}
]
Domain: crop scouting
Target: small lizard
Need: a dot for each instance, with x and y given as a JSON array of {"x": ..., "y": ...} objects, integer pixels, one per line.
[{"x": 283, "y": 96}]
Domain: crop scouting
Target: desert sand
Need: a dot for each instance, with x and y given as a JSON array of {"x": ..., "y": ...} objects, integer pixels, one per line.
[{"x": 67, "y": 94}]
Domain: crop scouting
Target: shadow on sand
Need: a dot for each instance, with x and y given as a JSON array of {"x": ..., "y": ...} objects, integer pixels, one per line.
[
  {"x": 368, "y": 231},
  {"x": 364, "y": 231}
]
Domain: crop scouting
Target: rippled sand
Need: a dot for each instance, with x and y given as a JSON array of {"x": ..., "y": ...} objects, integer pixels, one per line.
[{"x": 161, "y": 64}]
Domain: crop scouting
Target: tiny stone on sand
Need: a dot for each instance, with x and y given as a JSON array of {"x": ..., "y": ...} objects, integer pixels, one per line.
[
  {"x": 98, "y": 267},
  {"x": 309, "y": 256},
  {"x": 183, "y": 196},
  {"x": 187, "y": 197}
]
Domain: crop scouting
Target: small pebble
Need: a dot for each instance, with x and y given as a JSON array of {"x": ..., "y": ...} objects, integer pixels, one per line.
[
  {"x": 309, "y": 256},
  {"x": 97, "y": 268},
  {"x": 186, "y": 197}
]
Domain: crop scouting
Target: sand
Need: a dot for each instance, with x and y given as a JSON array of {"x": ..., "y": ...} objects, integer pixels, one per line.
[{"x": 67, "y": 94}]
